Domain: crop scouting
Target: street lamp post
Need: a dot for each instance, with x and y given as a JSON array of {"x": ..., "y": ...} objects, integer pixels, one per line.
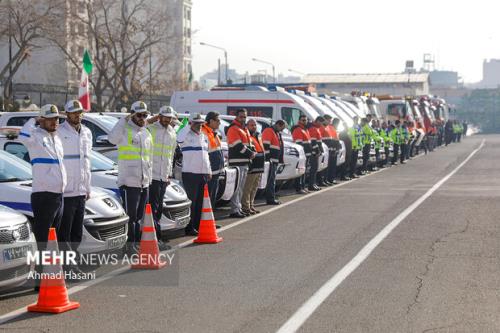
[
  {"x": 225, "y": 56},
  {"x": 296, "y": 72},
  {"x": 267, "y": 63}
]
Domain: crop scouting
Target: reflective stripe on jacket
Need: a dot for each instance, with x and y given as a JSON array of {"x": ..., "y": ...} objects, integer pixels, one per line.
[
  {"x": 316, "y": 142},
  {"x": 273, "y": 145},
  {"x": 194, "y": 148},
  {"x": 301, "y": 136},
  {"x": 257, "y": 165},
  {"x": 77, "y": 148},
  {"x": 46, "y": 153},
  {"x": 240, "y": 148},
  {"x": 164, "y": 142},
  {"x": 135, "y": 148}
]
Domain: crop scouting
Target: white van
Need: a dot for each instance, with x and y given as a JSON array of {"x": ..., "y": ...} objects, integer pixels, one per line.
[{"x": 276, "y": 105}]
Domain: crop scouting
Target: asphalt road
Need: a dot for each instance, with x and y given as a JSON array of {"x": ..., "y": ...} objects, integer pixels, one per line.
[{"x": 437, "y": 271}]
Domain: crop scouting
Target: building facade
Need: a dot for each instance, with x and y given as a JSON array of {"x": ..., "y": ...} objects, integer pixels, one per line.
[{"x": 491, "y": 74}]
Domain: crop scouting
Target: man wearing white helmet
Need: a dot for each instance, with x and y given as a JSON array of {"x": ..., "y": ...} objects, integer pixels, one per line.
[
  {"x": 77, "y": 144},
  {"x": 164, "y": 142},
  {"x": 135, "y": 166},
  {"x": 49, "y": 174}
]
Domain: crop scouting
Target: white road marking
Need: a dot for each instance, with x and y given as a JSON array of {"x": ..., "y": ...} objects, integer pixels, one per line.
[
  {"x": 18, "y": 312},
  {"x": 312, "y": 304}
]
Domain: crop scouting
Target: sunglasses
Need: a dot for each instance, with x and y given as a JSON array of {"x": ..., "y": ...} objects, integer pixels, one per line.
[{"x": 141, "y": 115}]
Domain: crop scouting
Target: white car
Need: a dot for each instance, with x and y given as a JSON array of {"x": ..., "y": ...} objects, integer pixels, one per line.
[
  {"x": 16, "y": 240},
  {"x": 176, "y": 205},
  {"x": 105, "y": 222}
]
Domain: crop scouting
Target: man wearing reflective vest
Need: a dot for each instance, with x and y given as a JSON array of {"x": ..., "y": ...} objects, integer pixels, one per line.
[
  {"x": 77, "y": 145},
  {"x": 255, "y": 171},
  {"x": 196, "y": 170},
  {"x": 317, "y": 150},
  {"x": 367, "y": 135},
  {"x": 164, "y": 142},
  {"x": 397, "y": 138},
  {"x": 355, "y": 136},
  {"x": 135, "y": 167},
  {"x": 274, "y": 150},
  {"x": 301, "y": 136},
  {"x": 241, "y": 153},
  {"x": 49, "y": 174},
  {"x": 209, "y": 128}
]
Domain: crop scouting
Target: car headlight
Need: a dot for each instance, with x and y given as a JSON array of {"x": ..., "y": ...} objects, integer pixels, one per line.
[
  {"x": 291, "y": 151},
  {"x": 110, "y": 203}
]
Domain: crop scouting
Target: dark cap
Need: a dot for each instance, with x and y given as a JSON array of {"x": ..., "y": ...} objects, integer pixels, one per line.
[{"x": 212, "y": 115}]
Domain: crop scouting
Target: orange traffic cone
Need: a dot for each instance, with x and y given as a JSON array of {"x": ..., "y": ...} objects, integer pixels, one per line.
[
  {"x": 149, "y": 253},
  {"x": 207, "y": 232},
  {"x": 53, "y": 295}
]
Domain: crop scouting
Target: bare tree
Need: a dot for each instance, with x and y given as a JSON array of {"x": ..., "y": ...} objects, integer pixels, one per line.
[
  {"x": 22, "y": 25},
  {"x": 124, "y": 36}
]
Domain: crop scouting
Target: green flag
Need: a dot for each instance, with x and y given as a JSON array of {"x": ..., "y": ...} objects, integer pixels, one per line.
[{"x": 182, "y": 125}]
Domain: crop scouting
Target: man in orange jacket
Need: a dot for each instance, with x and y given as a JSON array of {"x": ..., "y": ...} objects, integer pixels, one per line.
[
  {"x": 215, "y": 154},
  {"x": 301, "y": 136},
  {"x": 273, "y": 148},
  {"x": 317, "y": 150},
  {"x": 241, "y": 152},
  {"x": 254, "y": 173}
]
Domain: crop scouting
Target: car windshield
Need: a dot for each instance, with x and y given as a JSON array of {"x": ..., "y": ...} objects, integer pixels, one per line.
[
  {"x": 108, "y": 122},
  {"x": 100, "y": 162},
  {"x": 13, "y": 169}
]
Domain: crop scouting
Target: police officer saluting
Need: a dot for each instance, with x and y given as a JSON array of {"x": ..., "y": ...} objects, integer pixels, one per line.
[
  {"x": 77, "y": 145},
  {"x": 135, "y": 167},
  {"x": 164, "y": 142},
  {"x": 49, "y": 174}
]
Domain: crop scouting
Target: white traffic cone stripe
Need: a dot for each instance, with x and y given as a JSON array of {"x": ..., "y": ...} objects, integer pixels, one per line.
[{"x": 207, "y": 217}]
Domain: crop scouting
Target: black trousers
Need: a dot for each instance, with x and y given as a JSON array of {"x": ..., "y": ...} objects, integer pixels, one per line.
[
  {"x": 395, "y": 153},
  {"x": 156, "y": 194},
  {"x": 194, "y": 184},
  {"x": 47, "y": 212},
  {"x": 71, "y": 228},
  {"x": 353, "y": 162},
  {"x": 313, "y": 170},
  {"x": 402, "y": 156},
  {"x": 332, "y": 166},
  {"x": 134, "y": 200},
  {"x": 271, "y": 182},
  {"x": 213, "y": 188},
  {"x": 300, "y": 182},
  {"x": 366, "y": 156},
  {"x": 387, "y": 154}
]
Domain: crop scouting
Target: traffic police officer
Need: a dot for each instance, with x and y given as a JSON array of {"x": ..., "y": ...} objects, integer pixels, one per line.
[
  {"x": 77, "y": 145},
  {"x": 49, "y": 174},
  {"x": 164, "y": 142},
  {"x": 196, "y": 170},
  {"x": 135, "y": 167}
]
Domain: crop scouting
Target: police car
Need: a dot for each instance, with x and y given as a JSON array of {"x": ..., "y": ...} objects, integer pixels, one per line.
[
  {"x": 16, "y": 240},
  {"x": 105, "y": 222},
  {"x": 176, "y": 205}
]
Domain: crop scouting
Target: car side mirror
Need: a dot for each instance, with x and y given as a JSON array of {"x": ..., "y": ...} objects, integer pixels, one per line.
[{"x": 102, "y": 140}]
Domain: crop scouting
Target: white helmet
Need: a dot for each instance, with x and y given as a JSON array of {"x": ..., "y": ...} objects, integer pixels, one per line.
[
  {"x": 167, "y": 111},
  {"x": 139, "y": 107}
]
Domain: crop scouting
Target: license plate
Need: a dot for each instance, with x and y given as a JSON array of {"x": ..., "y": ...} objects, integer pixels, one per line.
[
  {"x": 116, "y": 243},
  {"x": 182, "y": 222},
  {"x": 16, "y": 252}
]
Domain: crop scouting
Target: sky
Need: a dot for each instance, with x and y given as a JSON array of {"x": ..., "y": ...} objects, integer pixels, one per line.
[{"x": 333, "y": 36}]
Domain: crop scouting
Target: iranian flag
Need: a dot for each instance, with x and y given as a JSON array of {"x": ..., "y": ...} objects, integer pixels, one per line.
[{"x": 83, "y": 91}]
